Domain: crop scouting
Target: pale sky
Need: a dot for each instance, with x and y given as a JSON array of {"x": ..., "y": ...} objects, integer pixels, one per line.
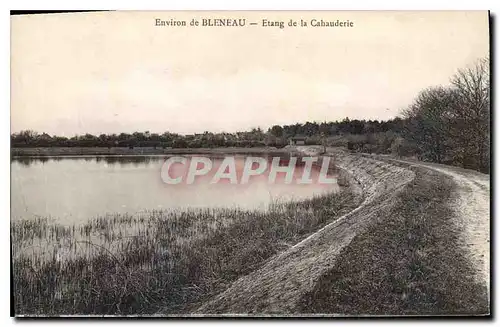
[{"x": 116, "y": 72}]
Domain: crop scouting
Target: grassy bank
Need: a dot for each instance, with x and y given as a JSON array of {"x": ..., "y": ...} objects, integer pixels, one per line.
[
  {"x": 410, "y": 263},
  {"x": 164, "y": 260},
  {"x": 89, "y": 151}
]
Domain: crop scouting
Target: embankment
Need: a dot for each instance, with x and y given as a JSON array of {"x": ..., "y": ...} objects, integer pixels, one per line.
[
  {"x": 280, "y": 284},
  {"x": 398, "y": 253}
]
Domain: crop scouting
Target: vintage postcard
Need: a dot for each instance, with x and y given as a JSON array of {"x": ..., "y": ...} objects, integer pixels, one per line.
[{"x": 250, "y": 163}]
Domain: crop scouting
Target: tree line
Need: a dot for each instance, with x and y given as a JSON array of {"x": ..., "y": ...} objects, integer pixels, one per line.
[
  {"x": 444, "y": 124},
  {"x": 451, "y": 124},
  {"x": 276, "y": 135}
]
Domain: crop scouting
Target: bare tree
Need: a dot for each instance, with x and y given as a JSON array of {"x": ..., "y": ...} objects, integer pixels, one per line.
[
  {"x": 452, "y": 124},
  {"x": 428, "y": 122},
  {"x": 472, "y": 114}
]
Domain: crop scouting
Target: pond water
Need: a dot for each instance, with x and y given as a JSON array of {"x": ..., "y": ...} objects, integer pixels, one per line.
[{"x": 74, "y": 189}]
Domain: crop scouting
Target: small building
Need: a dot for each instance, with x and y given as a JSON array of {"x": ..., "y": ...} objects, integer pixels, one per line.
[{"x": 297, "y": 140}]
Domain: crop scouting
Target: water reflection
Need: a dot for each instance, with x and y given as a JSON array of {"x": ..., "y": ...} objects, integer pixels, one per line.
[
  {"x": 135, "y": 160},
  {"x": 125, "y": 160},
  {"x": 75, "y": 189}
]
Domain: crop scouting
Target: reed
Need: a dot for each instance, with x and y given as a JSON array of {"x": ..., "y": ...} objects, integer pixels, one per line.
[{"x": 159, "y": 260}]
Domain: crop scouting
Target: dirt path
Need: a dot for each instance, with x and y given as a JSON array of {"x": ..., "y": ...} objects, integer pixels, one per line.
[
  {"x": 279, "y": 285},
  {"x": 472, "y": 207}
]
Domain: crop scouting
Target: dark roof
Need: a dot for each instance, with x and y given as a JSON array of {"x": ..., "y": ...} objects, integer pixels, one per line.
[{"x": 298, "y": 137}]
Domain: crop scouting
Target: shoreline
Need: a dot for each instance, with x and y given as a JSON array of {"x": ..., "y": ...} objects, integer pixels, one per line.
[
  {"x": 194, "y": 240},
  {"x": 123, "y": 151}
]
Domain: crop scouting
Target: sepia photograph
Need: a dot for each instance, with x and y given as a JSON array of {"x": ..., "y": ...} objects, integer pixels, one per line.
[{"x": 193, "y": 164}]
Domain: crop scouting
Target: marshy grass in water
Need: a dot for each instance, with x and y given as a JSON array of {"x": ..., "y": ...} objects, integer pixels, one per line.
[{"x": 159, "y": 261}]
